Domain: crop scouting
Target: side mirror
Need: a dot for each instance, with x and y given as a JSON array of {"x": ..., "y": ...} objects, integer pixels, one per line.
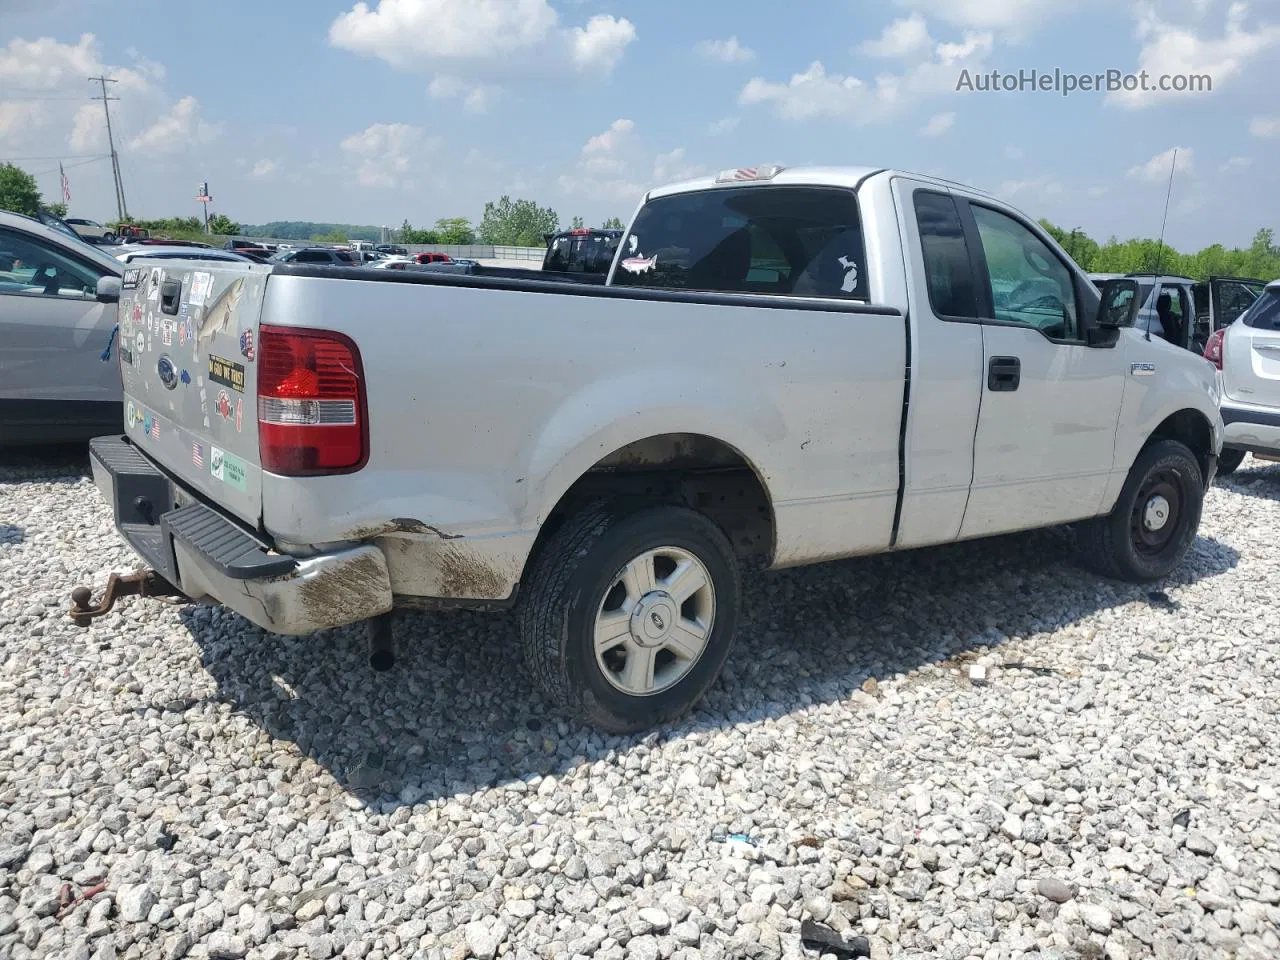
[
  {"x": 1119, "y": 304},
  {"x": 108, "y": 289}
]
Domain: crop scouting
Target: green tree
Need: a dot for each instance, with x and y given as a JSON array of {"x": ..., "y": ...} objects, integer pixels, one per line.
[
  {"x": 576, "y": 223},
  {"x": 409, "y": 235},
  {"x": 336, "y": 236},
  {"x": 613, "y": 223},
  {"x": 58, "y": 209},
  {"x": 455, "y": 230},
  {"x": 519, "y": 223},
  {"x": 221, "y": 224},
  {"x": 18, "y": 190}
]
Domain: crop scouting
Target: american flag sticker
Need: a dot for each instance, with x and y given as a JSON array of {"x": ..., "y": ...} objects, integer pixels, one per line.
[
  {"x": 246, "y": 344},
  {"x": 197, "y": 454},
  {"x": 155, "y": 428}
]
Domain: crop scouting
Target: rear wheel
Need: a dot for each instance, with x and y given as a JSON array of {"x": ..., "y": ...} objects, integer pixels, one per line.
[
  {"x": 1229, "y": 461},
  {"x": 628, "y": 616},
  {"x": 1155, "y": 518}
]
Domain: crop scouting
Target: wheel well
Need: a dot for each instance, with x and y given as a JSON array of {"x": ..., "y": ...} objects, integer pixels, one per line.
[
  {"x": 689, "y": 469},
  {"x": 1191, "y": 428}
]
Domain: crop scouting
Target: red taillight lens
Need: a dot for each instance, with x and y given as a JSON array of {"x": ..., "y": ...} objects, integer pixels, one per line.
[
  {"x": 1213, "y": 349},
  {"x": 311, "y": 403}
]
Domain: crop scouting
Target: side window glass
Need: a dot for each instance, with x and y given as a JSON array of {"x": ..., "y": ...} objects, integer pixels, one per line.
[
  {"x": 30, "y": 265},
  {"x": 1029, "y": 284},
  {"x": 1172, "y": 310},
  {"x": 1234, "y": 299},
  {"x": 946, "y": 255},
  {"x": 1264, "y": 314},
  {"x": 789, "y": 241}
]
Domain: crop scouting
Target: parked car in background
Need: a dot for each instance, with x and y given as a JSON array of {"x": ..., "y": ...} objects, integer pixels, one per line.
[
  {"x": 54, "y": 385},
  {"x": 1185, "y": 311},
  {"x": 392, "y": 263},
  {"x": 1247, "y": 353},
  {"x": 318, "y": 255},
  {"x": 391, "y": 248},
  {"x": 92, "y": 230},
  {"x": 432, "y": 257},
  {"x": 789, "y": 366},
  {"x": 128, "y": 254}
]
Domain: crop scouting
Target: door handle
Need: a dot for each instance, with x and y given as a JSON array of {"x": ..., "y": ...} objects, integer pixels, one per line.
[{"x": 1004, "y": 374}]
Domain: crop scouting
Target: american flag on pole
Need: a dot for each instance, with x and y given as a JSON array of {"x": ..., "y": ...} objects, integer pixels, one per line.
[{"x": 66, "y": 184}]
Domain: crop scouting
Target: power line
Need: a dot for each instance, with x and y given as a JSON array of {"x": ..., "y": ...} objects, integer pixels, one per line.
[
  {"x": 121, "y": 208},
  {"x": 74, "y": 156},
  {"x": 42, "y": 99}
]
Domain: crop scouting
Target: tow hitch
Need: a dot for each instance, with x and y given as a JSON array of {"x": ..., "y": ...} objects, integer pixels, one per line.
[{"x": 144, "y": 583}]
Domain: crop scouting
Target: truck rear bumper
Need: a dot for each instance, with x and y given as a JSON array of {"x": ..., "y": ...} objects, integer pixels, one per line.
[
  {"x": 1252, "y": 428},
  {"x": 206, "y": 554}
]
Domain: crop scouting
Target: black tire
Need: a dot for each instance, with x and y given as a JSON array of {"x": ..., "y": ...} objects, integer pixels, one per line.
[
  {"x": 1229, "y": 461},
  {"x": 568, "y": 582},
  {"x": 1121, "y": 545}
]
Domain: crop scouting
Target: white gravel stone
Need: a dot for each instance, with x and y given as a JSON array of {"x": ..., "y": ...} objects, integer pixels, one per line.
[{"x": 270, "y": 797}]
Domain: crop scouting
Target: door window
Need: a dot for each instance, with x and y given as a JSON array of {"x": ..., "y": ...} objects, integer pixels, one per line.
[
  {"x": 1030, "y": 286},
  {"x": 790, "y": 241},
  {"x": 1173, "y": 312},
  {"x": 1264, "y": 314},
  {"x": 312, "y": 256},
  {"x": 1234, "y": 298},
  {"x": 33, "y": 266},
  {"x": 946, "y": 256}
]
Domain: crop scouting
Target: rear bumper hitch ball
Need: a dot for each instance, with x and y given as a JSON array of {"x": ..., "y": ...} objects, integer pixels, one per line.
[{"x": 144, "y": 583}]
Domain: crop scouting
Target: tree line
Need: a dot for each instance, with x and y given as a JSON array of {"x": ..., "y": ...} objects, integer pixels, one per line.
[{"x": 1260, "y": 260}]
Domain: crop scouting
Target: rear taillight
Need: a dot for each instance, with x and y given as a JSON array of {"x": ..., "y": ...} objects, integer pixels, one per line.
[
  {"x": 1213, "y": 349},
  {"x": 312, "y": 413}
]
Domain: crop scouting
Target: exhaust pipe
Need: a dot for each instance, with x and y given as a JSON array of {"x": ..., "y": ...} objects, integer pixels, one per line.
[{"x": 382, "y": 643}]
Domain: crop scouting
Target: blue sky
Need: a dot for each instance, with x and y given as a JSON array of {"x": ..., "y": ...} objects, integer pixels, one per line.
[{"x": 419, "y": 109}]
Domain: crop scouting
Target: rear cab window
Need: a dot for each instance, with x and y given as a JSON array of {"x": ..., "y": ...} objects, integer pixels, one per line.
[
  {"x": 793, "y": 241},
  {"x": 1264, "y": 314}
]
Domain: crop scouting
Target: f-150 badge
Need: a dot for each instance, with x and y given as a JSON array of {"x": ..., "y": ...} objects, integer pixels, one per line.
[{"x": 1142, "y": 369}]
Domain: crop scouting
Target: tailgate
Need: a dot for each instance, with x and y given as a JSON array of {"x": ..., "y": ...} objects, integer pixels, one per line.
[{"x": 187, "y": 336}]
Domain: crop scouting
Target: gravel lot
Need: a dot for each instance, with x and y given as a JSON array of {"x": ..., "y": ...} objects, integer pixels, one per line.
[{"x": 1109, "y": 789}]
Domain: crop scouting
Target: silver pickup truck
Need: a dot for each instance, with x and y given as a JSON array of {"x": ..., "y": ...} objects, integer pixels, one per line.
[{"x": 793, "y": 365}]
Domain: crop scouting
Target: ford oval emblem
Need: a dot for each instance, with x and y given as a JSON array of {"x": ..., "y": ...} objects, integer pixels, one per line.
[{"x": 168, "y": 374}]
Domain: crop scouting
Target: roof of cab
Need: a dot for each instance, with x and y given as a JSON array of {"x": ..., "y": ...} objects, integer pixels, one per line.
[{"x": 829, "y": 176}]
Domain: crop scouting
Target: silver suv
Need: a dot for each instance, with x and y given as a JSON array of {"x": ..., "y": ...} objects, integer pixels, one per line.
[{"x": 1248, "y": 354}]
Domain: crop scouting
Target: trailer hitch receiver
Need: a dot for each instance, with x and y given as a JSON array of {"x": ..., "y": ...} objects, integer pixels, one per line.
[{"x": 143, "y": 583}]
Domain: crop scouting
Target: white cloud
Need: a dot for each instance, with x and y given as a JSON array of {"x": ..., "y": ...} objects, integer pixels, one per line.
[
  {"x": 723, "y": 125},
  {"x": 817, "y": 93},
  {"x": 1265, "y": 127},
  {"x": 901, "y": 38},
  {"x": 1173, "y": 51},
  {"x": 481, "y": 39},
  {"x": 475, "y": 97},
  {"x": 18, "y": 115},
  {"x": 1096, "y": 192},
  {"x": 612, "y": 166},
  {"x": 672, "y": 166},
  {"x": 726, "y": 51},
  {"x": 1156, "y": 170},
  {"x": 1035, "y": 188},
  {"x": 938, "y": 124},
  {"x": 1014, "y": 153},
  {"x": 47, "y": 65},
  {"x": 386, "y": 152},
  {"x": 88, "y": 129},
  {"x": 264, "y": 167},
  {"x": 1236, "y": 165},
  {"x": 176, "y": 130},
  {"x": 1007, "y": 16}
]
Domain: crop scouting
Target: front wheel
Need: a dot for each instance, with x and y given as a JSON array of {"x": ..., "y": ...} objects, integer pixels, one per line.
[
  {"x": 1155, "y": 518},
  {"x": 1229, "y": 461},
  {"x": 628, "y": 616}
]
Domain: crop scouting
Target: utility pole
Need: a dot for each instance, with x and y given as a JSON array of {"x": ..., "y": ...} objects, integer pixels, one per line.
[{"x": 121, "y": 208}]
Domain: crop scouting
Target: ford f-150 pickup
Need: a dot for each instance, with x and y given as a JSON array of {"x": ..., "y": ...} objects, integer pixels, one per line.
[{"x": 783, "y": 365}]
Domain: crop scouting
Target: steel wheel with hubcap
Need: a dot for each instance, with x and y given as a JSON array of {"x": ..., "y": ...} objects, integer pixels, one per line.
[
  {"x": 1155, "y": 518},
  {"x": 628, "y": 616}
]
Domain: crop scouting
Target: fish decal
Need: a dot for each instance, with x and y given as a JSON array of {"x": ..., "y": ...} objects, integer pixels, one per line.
[
  {"x": 639, "y": 264},
  {"x": 218, "y": 314}
]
